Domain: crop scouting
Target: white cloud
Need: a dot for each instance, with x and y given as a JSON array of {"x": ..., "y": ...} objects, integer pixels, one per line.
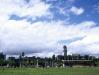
[
  {"x": 90, "y": 41},
  {"x": 96, "y": 7},
  {"x": 77, "y": 11},
  {"x": 19, "y": 7},
  {"x": 40, "y": 38}
]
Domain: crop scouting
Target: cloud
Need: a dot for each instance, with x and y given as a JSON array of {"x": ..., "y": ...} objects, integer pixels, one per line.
[
  {"x": 21, "y": 8},
  {"x": 43, "y": 37},
  {"x": 96, "y": 7},
  {"x": 89, "y": 44},
  {"x": 77, "y": 11}
]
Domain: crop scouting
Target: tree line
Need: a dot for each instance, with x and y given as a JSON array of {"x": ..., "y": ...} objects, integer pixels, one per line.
[{"x": 54, "y": 61}]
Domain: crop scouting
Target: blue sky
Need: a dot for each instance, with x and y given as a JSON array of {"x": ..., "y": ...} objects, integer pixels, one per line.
[
  {"x": 89, "y": 7},
  {"x": 37, "y": 27}
]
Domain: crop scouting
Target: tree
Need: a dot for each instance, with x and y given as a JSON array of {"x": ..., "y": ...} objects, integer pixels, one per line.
[
  {"x": 11, "y": 61},
  {"x": 2, "y": 59},
  {"x": 86, "y": 57},
  {"x": 23, "y": 54},
  {"x": 53, "y": 60},
  {"x": 1, "y": 62},
  {"x": 22, "y": 59}
]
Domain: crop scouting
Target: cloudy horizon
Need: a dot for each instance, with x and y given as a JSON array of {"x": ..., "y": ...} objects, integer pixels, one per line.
[{"x": 42, "y": 27}]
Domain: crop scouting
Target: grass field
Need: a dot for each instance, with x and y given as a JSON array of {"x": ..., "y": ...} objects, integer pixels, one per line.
[{"x": 50, "y": 71}]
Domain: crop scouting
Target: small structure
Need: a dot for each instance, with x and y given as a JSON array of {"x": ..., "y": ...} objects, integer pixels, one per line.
[
  {"x": 76, "y": 59},
  {"x": 65, "y": 52},
  {"x": 37, "y": 65}
]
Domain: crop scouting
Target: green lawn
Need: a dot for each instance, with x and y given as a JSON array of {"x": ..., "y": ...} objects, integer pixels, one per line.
[{"x": 50, "y": 71}]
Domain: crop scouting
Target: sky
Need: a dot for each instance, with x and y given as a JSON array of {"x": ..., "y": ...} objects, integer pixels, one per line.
[{"x": 42, "y": 27}]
